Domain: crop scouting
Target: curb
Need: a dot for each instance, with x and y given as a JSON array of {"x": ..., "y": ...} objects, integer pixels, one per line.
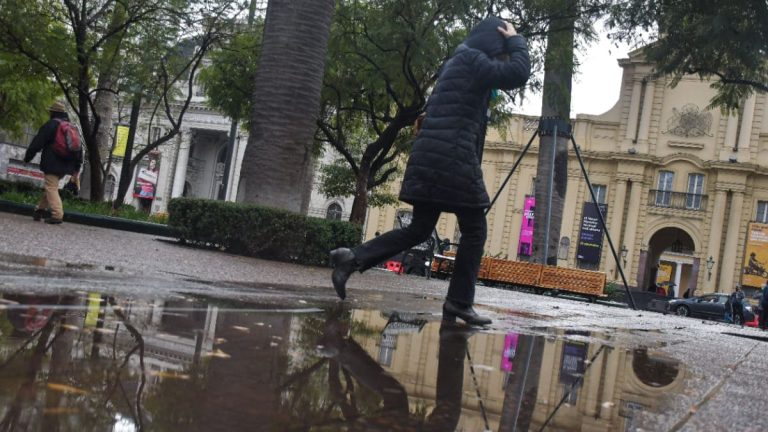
[{"x": 96, "y": 220}]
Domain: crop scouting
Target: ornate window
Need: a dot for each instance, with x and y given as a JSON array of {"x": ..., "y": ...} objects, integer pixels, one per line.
[
  {"x": 695, "y": 190},
  {"x": 762, "y": 212},
  {"x": 334, "y": 212},
  {"x": 664, "y": 194},
  {"x": 600, "y": 193}
]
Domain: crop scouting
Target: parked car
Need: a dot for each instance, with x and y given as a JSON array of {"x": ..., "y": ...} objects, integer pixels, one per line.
[{"x": 710, "y": 306}]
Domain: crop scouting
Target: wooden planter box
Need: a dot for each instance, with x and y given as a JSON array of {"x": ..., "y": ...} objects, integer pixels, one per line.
[
  {"x": 573, "y": 280},
  {"x": 515, "y": 272}
]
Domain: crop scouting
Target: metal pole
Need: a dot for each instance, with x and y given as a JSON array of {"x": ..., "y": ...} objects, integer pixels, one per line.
[
  {"x": 605, "y": 227},
  {"x": 550, "y": 186},
  {"x": 514, "y": 168}
]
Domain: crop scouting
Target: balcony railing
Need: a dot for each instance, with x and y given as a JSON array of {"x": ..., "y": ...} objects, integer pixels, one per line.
[{"x": 677, "y": 200}]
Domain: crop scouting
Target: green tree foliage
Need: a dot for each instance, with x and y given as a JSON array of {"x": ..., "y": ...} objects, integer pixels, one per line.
[
  {"x": 725, "y": 41},
  {"x": 26, "y": 92},
  {"x": 228, "y": 81},
  {"x": 73, "y": 41},
  {"x": 385, "y": 57}
]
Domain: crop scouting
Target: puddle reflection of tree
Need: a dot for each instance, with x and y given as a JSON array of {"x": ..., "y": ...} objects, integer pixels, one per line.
[
  {"x": 57, "y": 335},
  {"x": 362, "y": 395}
]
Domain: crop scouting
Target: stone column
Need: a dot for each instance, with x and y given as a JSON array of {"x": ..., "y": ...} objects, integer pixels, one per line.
[
  {"x": 645, "y": 118},
  {"x": 617, "y": 217},
  {"x": 728, "y": 264},
  {"x": 634, "y": 110},
  {"x": 630, "y": 231},
  {"x": 182, "y": 159},
  {"x": 678, "y": 277},
  {"x": 745, "y": 133},
  {"x": 715, "y": 238}
]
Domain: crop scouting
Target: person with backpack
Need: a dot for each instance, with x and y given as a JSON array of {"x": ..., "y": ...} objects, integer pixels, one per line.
[
  {"x": 443, "y": 173},
  {"x": 62, "y": 155}
]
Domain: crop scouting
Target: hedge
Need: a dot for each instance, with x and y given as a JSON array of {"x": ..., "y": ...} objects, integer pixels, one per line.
[{"x": 260, "y": 231}]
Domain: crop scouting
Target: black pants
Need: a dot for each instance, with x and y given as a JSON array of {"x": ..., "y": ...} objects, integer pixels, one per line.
[
  {"x": 763, "y": 316},
  {"x": 738, "y": 310},
  {"x": 473, "y": 231}
]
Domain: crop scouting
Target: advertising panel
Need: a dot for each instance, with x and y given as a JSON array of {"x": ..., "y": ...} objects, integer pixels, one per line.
[
  {"x": 121, "y": 140},
  {"x": 20, "y": 170},
  {"x": 146, "y": 178},
  {"x": 664, "y": 275},
  {"x": 525, "y": 245},
  {"x": 591, "y": 235},
  {"x": 754, "y": 272}
]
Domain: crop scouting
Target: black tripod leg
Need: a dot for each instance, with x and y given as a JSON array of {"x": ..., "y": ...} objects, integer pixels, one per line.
[
  {"x": 514, "y": 167},
  {"x": 602, "y": 223}
]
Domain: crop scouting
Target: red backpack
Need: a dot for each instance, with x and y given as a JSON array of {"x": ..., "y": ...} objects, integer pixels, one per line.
[{"x": 67, "y": 141}]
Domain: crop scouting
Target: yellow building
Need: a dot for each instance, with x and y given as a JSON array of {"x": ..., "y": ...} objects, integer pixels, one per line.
[{"x": 681, "y": 183}]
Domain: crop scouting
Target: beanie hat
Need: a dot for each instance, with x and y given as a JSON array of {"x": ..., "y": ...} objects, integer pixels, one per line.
[
  {"x": 485, "y": 37},
  {"x": 58, "y": 106}
]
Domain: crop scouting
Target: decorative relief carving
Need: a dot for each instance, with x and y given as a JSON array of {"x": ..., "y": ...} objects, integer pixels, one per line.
[
  {"x": 531, "y": 124},
  {"x": 689, "y": 121}
]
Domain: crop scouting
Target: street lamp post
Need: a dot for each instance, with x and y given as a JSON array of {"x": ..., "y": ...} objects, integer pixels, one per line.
[{"x": 710, "y": 264}]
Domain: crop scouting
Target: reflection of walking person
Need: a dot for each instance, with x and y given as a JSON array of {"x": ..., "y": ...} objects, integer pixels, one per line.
[
  {"x": 443, "y": 172},
  {"x": 347, "y": 356}
]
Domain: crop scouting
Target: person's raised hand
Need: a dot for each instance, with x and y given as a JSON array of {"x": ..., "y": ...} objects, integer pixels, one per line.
[{"x": 508, "y": 30}]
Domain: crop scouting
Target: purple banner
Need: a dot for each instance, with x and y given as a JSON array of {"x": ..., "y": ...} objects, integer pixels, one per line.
[{"x": 525, "y": 245}]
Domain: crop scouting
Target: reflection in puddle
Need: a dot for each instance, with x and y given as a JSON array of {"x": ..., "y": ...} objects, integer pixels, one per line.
[{"x": 91, "y": 362}]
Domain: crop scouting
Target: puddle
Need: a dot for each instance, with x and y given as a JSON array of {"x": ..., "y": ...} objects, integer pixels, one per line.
[{"x": 90, "y": 362}]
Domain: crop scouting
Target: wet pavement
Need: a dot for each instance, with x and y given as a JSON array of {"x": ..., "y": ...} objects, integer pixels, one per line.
[{"x": 91, "y": 342}]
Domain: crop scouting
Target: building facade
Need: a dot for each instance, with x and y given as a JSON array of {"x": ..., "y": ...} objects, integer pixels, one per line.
[{"x": 680, "y": 184}]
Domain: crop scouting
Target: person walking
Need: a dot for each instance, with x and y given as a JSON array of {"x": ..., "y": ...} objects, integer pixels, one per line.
[
  {"x": 737, "y": 306},
  {"x": 61, "y": 155},
  {"x": 443, "y": 173}
]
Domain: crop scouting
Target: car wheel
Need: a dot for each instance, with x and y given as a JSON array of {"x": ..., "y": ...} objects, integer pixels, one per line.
[{"x": 683, "y": 311}]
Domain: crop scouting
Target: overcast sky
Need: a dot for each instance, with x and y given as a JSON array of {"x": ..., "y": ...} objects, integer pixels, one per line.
[{"x": 595, "y": 87}]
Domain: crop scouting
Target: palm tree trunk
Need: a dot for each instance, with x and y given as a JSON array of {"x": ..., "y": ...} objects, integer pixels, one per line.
[
  {"x": 278, "y": 161},
  {"x": 556, "y": 102}
]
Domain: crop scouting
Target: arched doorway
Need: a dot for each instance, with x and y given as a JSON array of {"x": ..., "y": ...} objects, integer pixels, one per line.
[{"x": 671, "y": 267}]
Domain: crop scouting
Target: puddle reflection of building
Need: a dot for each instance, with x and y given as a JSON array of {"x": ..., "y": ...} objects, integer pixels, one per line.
[
  {"x": 176, "y": 333},
  {"x": 617, "y": 385},
  {"x": 607, "y": 394}
]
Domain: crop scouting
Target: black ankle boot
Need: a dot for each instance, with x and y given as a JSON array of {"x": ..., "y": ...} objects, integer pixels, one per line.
[
  {"x": 344, "y": 264},
  {"x": 39, "y": 214},
  {"x": 452, "y": 309}
]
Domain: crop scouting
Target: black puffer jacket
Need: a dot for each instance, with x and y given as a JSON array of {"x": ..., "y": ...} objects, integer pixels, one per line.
[
  {"x": 50, "y": 162},
  {"x": 444, "y": 166}
]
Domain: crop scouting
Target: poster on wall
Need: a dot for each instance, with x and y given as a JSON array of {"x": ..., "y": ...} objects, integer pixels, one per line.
[
  {"x": 664, "y": 275},
  {"x": 146, "y": 178},
  {"x": 525, "y": 245},
  {"x": 754, "y": 272},
  {"x": 591, "y": 235},
  {"x": 121, "y": 140},
  {"x": 23, "y": 171}
]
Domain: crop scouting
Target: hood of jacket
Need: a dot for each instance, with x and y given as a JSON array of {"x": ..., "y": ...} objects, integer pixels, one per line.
[{"x": 485, "y": 37}]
